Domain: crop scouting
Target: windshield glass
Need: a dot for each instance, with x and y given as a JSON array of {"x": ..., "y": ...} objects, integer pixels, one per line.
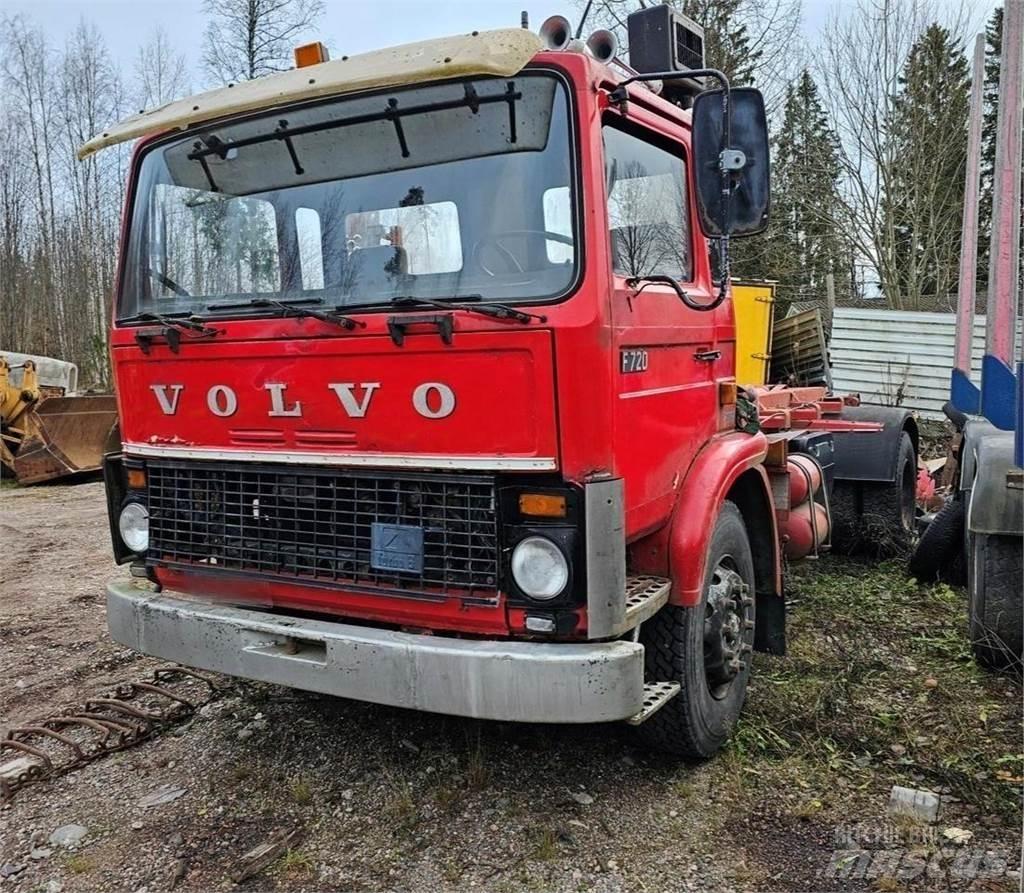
[{"x": 453, "y": 190}]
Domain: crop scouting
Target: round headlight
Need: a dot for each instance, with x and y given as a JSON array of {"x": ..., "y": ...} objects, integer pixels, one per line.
[
  {"x": 539, "y": 568},
  {"x": 134, "y": 526}
]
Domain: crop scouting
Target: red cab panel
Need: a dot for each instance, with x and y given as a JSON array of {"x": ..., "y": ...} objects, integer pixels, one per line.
[{"x": 488, "y": 398}]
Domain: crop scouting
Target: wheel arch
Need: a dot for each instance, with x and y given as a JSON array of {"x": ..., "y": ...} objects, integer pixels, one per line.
[{"x": 729, "y": 467}]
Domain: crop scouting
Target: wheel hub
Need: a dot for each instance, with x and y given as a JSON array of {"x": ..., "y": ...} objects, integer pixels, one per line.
[{"x": 727, "y": 629}]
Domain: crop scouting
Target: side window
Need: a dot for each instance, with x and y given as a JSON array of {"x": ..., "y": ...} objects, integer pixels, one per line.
[
  {"x": 558, "y": 219},
  {"x": 429, "y": 234},
  {"x": 648, "y": 208},
  {"x": 311, "y": 255}
]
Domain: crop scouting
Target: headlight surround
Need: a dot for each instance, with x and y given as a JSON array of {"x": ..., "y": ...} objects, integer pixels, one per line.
[
  {"x": 540, "y": 568},
  {"x": 133, "y": 525}
]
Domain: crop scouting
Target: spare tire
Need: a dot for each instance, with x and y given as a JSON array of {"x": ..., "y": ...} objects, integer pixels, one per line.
[{"x": 940, "y": 550}]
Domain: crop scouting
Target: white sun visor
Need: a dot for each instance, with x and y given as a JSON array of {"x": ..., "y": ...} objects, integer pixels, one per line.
[{"x": 500, "y": 53}]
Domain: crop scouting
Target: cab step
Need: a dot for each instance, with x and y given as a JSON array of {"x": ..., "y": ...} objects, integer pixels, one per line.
[
  {"x": 645, "y": 595},
  {"x": 656, "y": 696}
]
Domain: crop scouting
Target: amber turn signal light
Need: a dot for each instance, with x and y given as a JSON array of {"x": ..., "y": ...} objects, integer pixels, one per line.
[
  {"x": 137, "y": 478},
  {"x": 726, "y": 393},
  {"x": 311, "y": 54},
  {"x": 542, "y": 505}
]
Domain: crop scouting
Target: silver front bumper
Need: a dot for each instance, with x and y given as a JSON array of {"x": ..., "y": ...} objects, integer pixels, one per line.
[{"x": 504, "y": 680}]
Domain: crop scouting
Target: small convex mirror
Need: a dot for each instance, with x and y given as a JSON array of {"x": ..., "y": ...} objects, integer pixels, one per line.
[{"x": 746, "y": 210}]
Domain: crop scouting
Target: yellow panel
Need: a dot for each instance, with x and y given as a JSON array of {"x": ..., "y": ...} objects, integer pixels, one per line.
[
  {"x": 502, "y": 52},
  {"x": 753, "y": 303}
]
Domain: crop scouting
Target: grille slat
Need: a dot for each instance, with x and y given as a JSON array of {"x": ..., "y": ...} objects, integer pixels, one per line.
[{"x": 314, "y": 524}]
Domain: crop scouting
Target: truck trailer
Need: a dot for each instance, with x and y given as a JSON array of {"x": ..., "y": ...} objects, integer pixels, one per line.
[{"x": 426, "y": 381}]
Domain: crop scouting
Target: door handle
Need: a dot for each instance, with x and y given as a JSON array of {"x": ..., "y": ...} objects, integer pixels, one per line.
[{"x": 707, "y": 356}]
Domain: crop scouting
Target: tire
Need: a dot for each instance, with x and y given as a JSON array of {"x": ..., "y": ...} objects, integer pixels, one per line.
[
  {"x": 698, "y": 720},
  {"x": 939, "y": 554},
  {"x": 994, "y": 600},
  {"x": 877, "y": 518}
]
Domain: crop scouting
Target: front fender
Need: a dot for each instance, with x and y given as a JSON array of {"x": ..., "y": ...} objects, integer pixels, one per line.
[
  {"x": 996, "y": 508},
  {"x": 864, "y": 456},
  {"x": 717, "y": 467}
]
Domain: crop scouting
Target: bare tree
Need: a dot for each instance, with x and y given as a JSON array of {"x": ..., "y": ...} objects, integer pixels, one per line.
[
  {"x": 159, "y": 72},
  {"x": 58, "y": 218},
  {"x": 864, "y": 53},
  {"x": 752, "y": 41},
  {"x": 246, "y": 39}
]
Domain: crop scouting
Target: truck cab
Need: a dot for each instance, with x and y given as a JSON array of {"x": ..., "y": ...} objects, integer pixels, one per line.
[{"x": 427, "y": 396}]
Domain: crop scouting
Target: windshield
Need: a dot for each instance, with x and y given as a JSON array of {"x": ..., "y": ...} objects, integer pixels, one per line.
[{"x": 453, "y": 190}]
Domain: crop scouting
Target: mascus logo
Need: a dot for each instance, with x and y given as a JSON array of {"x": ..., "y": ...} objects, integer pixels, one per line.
[{"x": 432, "y": 399}]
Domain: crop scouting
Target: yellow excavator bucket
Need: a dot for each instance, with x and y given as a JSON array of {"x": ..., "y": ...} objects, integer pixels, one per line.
[
  {"x": 753, "y": 304},
  {"x": 66, "y": 435},
  {"x": 46, "y": 432}
]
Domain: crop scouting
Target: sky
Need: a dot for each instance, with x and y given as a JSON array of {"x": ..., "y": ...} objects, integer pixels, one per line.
[{"x": 347, "y": 27}]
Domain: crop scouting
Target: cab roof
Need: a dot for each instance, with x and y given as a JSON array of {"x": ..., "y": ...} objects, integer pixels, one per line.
[{"x": 500, "y": 53}]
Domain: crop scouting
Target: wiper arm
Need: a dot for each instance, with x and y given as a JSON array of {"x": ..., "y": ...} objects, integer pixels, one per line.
[
  {"x": 185, "y": 321},
  {"x": 167, "y": 282},
  {"x": 293, "y": 307},
  {"x": 485, "y": 308}
]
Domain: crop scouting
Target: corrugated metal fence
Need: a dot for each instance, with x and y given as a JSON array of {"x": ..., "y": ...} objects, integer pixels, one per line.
[{"x": 898, "y": 357}]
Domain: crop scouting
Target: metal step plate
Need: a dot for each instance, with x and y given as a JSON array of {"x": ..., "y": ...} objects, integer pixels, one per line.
[
  {"x": 645, "y": 595},
  {"x": 656, "y": 696}
]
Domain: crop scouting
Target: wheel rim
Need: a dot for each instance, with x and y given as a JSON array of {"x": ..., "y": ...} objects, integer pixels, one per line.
[
  {"x": 728, "y": 628},
  {"x": 908, "y": 496}
]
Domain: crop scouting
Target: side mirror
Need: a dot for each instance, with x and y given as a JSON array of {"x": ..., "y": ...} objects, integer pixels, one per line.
[{"x": 743, "y": 209}]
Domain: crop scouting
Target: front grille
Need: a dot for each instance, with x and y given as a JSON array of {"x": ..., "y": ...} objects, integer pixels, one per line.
[{"x": 315, "y": 524}]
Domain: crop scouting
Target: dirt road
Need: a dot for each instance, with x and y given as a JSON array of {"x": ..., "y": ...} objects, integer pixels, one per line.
[{"x": 878, "y": 690}]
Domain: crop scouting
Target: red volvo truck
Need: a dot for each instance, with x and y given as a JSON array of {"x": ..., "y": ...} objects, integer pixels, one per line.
[{"x": 426, "y": 386}]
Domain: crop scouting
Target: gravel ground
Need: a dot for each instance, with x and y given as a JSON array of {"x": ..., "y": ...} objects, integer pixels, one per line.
[{"x": 386, "y": 799}]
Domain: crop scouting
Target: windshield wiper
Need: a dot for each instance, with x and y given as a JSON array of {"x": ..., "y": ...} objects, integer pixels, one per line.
[
  {"x": 184, "y": 320},
  {"x": 492, "y": 309},
  {"x": 292, "y": 307},
  {"x": 167, "y": 282}
]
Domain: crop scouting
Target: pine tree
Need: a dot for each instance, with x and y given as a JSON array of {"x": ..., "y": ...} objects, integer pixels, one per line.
[
  {"x": 925, "y": 204},
  {"x": 804, "y": 243},
  {"x": 726, "y": 41}
]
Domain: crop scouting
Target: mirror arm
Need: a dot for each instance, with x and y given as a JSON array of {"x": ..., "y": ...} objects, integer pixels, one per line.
[
  {"x": 639, "y": 283},
  {"x": 619, "y": 94}
]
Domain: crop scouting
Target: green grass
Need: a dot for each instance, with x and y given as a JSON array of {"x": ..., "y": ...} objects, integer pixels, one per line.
[
  {"x": 879, "y": 684},
  {"x": 301, "y": 791}
]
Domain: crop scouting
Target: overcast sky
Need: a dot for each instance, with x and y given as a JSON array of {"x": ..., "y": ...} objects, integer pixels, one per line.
[{"x": 347, "y": 27}]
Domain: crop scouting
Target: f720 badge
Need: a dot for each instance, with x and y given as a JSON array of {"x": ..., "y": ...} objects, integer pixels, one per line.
[{"x": 633, "y": 360}]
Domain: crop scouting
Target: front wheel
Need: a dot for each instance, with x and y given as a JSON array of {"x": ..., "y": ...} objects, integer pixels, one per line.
[{"x": 706, "y": 648}]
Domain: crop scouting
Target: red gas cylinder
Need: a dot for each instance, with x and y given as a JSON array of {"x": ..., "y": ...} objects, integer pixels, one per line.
[
  {"x": 800, "y": 468},
  {"x": 798, "y": 532}
]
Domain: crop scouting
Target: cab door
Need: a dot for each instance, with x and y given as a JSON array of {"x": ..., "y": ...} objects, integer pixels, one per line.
[{"x": 668, "y": 356}]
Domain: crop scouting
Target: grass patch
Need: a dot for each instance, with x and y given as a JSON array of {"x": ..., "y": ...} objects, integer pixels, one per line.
[
  {"x": 543, "y": 844},
  {"x": 879, "y": 684},
  {"x": 478, "y": 772},
  {"x": 301, "y": 791},
  {"x": 80, "y": 863},
  {"x": 296, "y": 863}
]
